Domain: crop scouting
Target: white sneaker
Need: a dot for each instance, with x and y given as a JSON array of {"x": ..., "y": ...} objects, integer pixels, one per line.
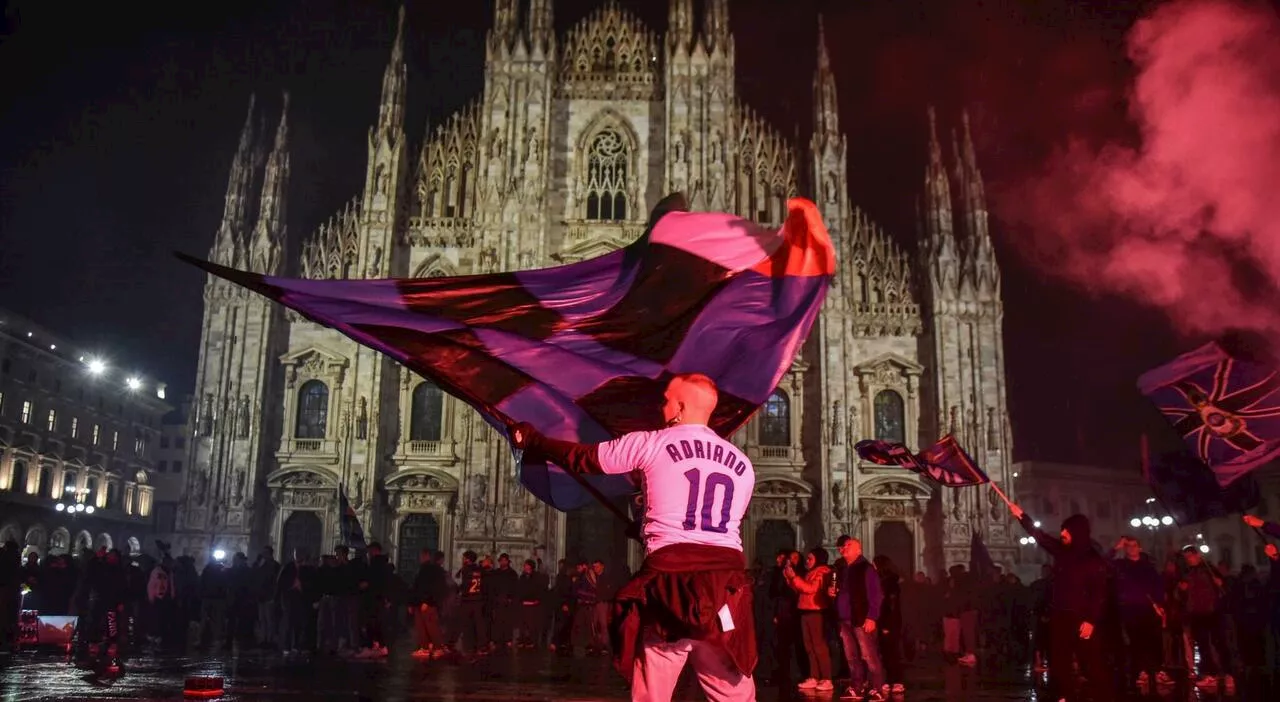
[
  {"x": 852, "y": 694},
  {"x": 898, "y": 688},
  {"x": 967, "y": 659},
  {"x": 824, "y": 686},
  {"x": 421, "y": 653},
  {"x": 808, "y": 684}
]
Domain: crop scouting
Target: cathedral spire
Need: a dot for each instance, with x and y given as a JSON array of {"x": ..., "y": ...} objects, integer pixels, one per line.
[
  {"x": 715, "y": 26},
  {"x": 937, "y": 192},
  {"x": 826, "y": 111},
  {"x": 231, "y": 231},
  {"x": 504, "y": 20},
  {"x": 391, "y": 111},
  {"x": 680, "y": 25},
  {"x": 541, "y": 21},
  {"x": 972, "y": 200},
  {"x": 265, "y": 253}
]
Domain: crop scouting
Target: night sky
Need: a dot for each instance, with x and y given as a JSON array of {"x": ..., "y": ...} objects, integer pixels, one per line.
[{"x": 119, "y": 121}]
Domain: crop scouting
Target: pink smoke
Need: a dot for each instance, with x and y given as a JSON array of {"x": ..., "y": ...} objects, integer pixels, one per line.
[{"x": 1173, "y": 221}]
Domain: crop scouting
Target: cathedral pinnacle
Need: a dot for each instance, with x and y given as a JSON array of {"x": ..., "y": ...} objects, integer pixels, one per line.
[
  {"x": 936, "y": 224},
  {"x": 680, "y": 25},
  {"x": 233, "y": 229},
  {"x": 715, "y": 26},
  {"x": 391, "y": 111},
  {"x": 265, "y": 254},
  {"x": 826, "y": 109}
]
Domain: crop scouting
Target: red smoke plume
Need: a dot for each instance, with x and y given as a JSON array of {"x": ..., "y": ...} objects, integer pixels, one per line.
[{"x": 1185, "y": 218}]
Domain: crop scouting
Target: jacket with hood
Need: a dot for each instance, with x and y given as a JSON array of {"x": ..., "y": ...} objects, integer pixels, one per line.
[
  {"x": 1138, "y": 584},
  {"x": 812, "y": 588},
  {"x": 1079, "y": 582}
]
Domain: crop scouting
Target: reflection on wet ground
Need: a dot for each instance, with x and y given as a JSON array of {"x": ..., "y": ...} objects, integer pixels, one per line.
[{"x": 28, "y": 677}]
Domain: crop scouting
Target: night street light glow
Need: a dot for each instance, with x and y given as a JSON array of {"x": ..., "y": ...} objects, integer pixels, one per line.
[
  {"x": 133, "y": 383},
  {"x": 60, "y": 507},
  {"x": 96, "y": 366},
  {"x": 219, "y": 554},
  {"x": 1135, "y": 522},
  {"x": 1166, "y": 520}
]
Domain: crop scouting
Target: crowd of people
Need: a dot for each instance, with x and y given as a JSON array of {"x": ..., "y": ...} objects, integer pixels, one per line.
[
  {"x": 345, "y": 604},
  {"x": 1182, "y": 619}
]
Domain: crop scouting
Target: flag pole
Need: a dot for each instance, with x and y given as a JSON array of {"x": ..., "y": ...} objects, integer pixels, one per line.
[{"x": 1007, "y": 501}]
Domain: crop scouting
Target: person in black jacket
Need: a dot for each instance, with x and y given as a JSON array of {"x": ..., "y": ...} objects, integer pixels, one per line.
[
  {"x": 1140, "y": 600},
  {"x": 471, "y": 601},
  {"x": 531, "y": 592},
  {"x": 425, "y": 598},
  {"x": 1078, "y": 596}
]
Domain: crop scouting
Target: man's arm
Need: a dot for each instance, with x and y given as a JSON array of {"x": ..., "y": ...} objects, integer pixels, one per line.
[
  {"x": 621, "y": 455},
  {"x": 1046, "y": 541}
]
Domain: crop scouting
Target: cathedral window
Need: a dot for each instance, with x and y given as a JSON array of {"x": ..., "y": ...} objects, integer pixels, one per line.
[
  {"x": 607, "y": 177},
  {"x": 313, "y": 410},
  {"x": 890, "y": 417},
  {"x": 775, "y": 420},
  {"x": 426, "y": 420}
]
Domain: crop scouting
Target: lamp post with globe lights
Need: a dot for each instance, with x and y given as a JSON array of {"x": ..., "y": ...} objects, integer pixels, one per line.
[{"x": 73, "y": 502}]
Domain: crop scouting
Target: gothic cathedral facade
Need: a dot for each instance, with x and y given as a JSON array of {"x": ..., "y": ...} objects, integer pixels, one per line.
[{"x": 574, "y": 138}]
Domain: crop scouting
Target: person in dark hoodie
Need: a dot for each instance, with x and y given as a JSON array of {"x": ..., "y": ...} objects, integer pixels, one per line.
[
  {"x": 1140, "y": 598},
  {"x": 1078, "y": 598},
  {"x": 425, "y": 597}
]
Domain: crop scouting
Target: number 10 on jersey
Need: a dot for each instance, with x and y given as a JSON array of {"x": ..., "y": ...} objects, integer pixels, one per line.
[{"x": 707, "y": 490}]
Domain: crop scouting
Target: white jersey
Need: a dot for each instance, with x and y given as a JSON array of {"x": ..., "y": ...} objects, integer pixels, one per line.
[{"x": 696, "y": 485}]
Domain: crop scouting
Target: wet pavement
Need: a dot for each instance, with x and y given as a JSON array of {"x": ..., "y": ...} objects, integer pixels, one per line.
[{"x": 30, "y": 677}]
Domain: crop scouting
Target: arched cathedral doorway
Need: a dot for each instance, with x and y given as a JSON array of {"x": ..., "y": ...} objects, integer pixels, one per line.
[{"x": 302, "y": 530}]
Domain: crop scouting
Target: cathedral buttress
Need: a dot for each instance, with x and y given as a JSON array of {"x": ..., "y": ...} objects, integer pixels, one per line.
[
  {"x": 237, "y": 378},
  {"x": 963, "y": 346}
]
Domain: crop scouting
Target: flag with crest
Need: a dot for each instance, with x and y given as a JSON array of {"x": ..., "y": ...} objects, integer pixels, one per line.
[
  {"x": 1224, "y": 407},
  {"x": 945, "y": 462}
]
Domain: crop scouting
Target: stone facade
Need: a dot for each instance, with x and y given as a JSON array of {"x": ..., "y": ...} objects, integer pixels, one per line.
[
  {"x": 74, "y": 432},
  {"x": 572, "y": 140}
]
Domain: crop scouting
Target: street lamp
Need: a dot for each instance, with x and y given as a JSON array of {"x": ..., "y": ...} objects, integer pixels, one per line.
[
  {"x": 1151, "y": 521},
  {"x": 74, "y": 502}
]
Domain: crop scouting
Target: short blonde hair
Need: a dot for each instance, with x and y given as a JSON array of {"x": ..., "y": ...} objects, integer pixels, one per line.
[{"x": 703, "y": 382}]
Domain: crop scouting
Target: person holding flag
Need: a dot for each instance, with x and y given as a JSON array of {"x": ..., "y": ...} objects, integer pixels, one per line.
[
  {"x": 696, "y": 486},
  {"x": 1079, "y": 593}
]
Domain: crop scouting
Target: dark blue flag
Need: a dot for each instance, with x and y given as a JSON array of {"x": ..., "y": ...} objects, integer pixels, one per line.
[
  {"x": 945, "y": 463},
  {"x": 1190, "y": 491},
  {"x": 980, "y": 563},
  {"x": 1225, "y": 408},
  {"x": 349, "y": 524}
]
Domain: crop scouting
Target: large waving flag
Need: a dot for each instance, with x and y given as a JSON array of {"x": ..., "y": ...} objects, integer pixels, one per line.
[
  {"x": 583, "y": 351},
  {"x": 1226, "y": 408},
  {"x": 945, "y": 462}
]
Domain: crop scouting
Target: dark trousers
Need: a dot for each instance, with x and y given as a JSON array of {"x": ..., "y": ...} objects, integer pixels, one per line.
[
  {"x": 504, "y": 623},
  {"x": 1142, "y": 642},
  {"x": 814, "y": 633},
  {"x": 788, "y": 634},
  {"x": 473, "y": 629},
  {"x": 563, "y": 636},
  {"x": 1207, "y": 634},
  {"x": 1065, "y": 645},
  {"x": 426, "y": 620},
  {"x": 532, "y": 618},
  {"x": 891, "y": 654}
]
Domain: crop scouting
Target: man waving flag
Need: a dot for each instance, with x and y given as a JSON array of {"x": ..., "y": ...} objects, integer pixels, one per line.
[{"x": 584, "y": 351}]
